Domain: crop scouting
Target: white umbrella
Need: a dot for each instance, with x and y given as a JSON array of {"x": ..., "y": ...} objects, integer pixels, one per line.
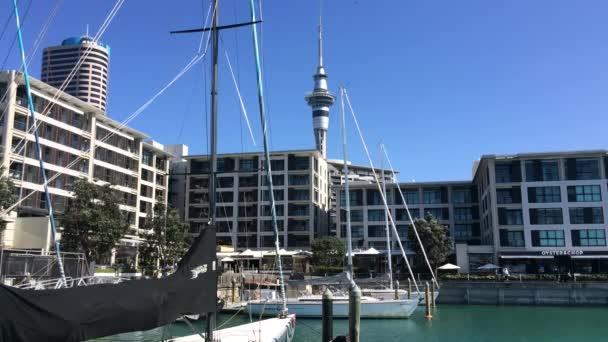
[
  {"x": 227, "y": 259},
  {"x": 449, "y": 267},
  {"x": 488, "y": 267}
]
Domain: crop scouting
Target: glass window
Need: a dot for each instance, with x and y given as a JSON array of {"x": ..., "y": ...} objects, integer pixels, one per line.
[
  {"x": 504, "y": 196},
  {"x": 376, "y": 231},
  {"x": 503, "y": 172},
  {"x": 438, "y": 213},
  {"x": 509, "y": 217},
  {"x": 410, "y": 195},
  {"x": 401, "y": 214},
  {"x": 355, "y": 196},
  {"x": 248, "y": 164},
  {"x": 463, "y": 214},
  {"x": 582, "y": 169},
  {"x": 147, "y": 157},
  {"x": 511, "y": 238},
  {"x": 277, "y": 165},
  {"x": 542, "y": 170},
  {"x": 374, "y": 197},
  {"x": 461, "y": 196},
  {"x": 279, "y": 195},
  {"x": 356, "y": 231},
  {"x": 589, "y": 237},
  {"x": 548, "y": 238},
  {"x": 463, "y": 231},
  {"x": 584, "y": 193},
  {"x": 375, "y": 215},
  {"x": 586, "y": 215},
  {"x": 298, "y": 179},
  {"x": 431, "y": 196},
  {"x": 225, "y": 182},
  {"x": 544, "y": 194},
  {"x": 546, "y": 216}
]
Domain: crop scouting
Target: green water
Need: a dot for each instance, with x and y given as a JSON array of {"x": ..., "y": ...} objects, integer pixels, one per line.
[{"x": 452, "y": 323}]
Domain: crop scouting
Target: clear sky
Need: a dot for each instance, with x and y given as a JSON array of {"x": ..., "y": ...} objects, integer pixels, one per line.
[{"x": 440, "y": 82}]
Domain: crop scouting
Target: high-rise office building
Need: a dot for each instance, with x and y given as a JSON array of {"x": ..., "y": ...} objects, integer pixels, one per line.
[{"x": 89, "y": 82}]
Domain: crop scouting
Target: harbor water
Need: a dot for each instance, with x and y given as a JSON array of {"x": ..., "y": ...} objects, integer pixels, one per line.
[{"x": 454, "y": 323}]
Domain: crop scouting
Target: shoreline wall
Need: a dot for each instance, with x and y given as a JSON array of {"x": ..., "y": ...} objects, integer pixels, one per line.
[{"x": 524, "y": 293}]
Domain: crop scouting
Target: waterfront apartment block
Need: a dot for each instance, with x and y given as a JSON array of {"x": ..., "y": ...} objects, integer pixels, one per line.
[
  {"x": 544, "y": 212},
  {"x": 78, "y": 141},
  {"x": 453, "y": 204},
  {"x": 89, "y": 82},
  {"x": 300, "y": 180}
]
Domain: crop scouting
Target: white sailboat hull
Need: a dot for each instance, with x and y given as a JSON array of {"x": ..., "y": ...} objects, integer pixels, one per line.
[
  {"x": 268, "y": 330},
  {"x": 387, "y": 294},
  {"x": 370, "y": 308}
]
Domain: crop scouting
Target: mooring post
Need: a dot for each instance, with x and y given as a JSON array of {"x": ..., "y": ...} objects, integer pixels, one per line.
[
  {"x": 328, "y": 333},
  {"x": 427, "y": 302},
  {"x": 396, "y": 289},
  {"x": 354, "y": 314},
  {"x": 409, "y": 288},
  {"x": 433, "y": 294},
  {"x": 233, "y": 290}
]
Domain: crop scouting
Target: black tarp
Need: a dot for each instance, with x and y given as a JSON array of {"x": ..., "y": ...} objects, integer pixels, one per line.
[{"x": 82, "y": 313}]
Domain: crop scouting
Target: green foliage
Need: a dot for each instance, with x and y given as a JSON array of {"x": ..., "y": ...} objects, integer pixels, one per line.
[
  {"x": 7, "y": 196},
  {"x": 166, "y": 239},
  {"x": 92, "y": 223},
  {"x": 435, "y": 240},
  {"x": 328, "y": 252}
]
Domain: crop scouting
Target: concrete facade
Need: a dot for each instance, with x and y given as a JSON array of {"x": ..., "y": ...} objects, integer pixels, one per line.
[{"x": 78, "y": 142}]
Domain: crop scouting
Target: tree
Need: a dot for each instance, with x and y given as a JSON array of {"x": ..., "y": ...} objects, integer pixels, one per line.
[
  {"x": 166, "y": 239},
  {"x": 328, "y": 252},
  {"x": 7, "y": 197},
  {"x": 435, "y": 239},
  {"x": 92, "y": 223}
]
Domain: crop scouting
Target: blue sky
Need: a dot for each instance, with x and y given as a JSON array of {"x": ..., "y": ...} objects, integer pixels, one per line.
[{"x": 441, "y": 83}]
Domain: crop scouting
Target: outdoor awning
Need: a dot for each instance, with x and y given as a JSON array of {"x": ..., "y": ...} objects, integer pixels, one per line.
[
  {"x": 589, "y": 257},
  {"x": 227, "y": 259},
  {"x": 526, "y": 256}
]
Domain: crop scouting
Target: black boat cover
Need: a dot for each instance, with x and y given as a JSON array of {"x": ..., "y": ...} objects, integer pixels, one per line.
[{"x": 82, "y": 313}]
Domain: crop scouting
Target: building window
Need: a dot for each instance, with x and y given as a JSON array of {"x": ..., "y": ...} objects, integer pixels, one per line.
[
  {"x": 460, "y": 196},
  {"x": 225, "y": 182},
  {"x": 401, "y": 214},
  {"x": 463, "y": 214},
  {"x": 411, "y": 196},
  {"x": 586, "y": 215},
  {"x": 548, "y": 238},
  {"x": 299, "y": 163},
  {"x": 356, "y": 231},
  {"x": 355, "y": 197},
  {"x": 147, "y": 157},
  {"x": 584, "y": 193},
  {"x": 431, "y": 196},
  {"x": 511, "y": 238},
  {"x": 582, "y": 169},
  {"x": 279, "y": 195},
  {"x": 509, "y": 217},
  {"x": 375, "y": 215},
  {"x": 588, "y": 237},
  {"x": 248, "y": 164},
  {"x": 374, "y": 197},
  {"x": 542, "y": 170},
  {"x": 277, "y": 164},
  {"x": 546, "y": 216},
  {"x": 376, "y": 231},
  {"x": 266, "y": 225},
  {"x": 294, "y": 240},
  {"x": 508, "y": 196},
  {"x": 463, "y": 231},
  {"x": 298, "y": 180},
  {"x": 438, "y": 213},
  {"x": 507, "y": 172},
  {"x": 266, "y": 210},
  {"x": 544, "y": 194}
]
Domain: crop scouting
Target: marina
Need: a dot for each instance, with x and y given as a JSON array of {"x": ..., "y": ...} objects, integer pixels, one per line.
[{"x": 458, "y": 323}]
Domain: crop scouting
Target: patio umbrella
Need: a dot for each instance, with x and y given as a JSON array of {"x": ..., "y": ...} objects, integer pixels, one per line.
[
  {"x": 488, "y": 267},
  {"x": 227, "y": 259},
  {"x": 449, "y": 266}
]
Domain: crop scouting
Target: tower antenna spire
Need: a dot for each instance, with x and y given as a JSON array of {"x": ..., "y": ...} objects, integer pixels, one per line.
[{"x": 320, "y": 33}]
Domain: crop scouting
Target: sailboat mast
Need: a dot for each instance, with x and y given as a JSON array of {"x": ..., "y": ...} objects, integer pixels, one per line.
[
  {"x": 349, "y": 266},
  {"x": 388, "y": 233},
  {"x": 214, "y": 101},
  {"x": 213, "y": 138}
]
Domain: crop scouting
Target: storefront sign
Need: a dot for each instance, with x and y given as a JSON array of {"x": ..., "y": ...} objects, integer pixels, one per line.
[{"x": 566, "y": 252}]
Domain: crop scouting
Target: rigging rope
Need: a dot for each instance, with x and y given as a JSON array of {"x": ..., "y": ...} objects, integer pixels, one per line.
[
  {"x": 371, "y": 163},
  {"x": 409, "y": 215},
  {"x": 38, "y": 148},
  {"x": 10, "y": 49},
  {"x": 238, "y": 92},
  {"x": 267, "y": 155}
]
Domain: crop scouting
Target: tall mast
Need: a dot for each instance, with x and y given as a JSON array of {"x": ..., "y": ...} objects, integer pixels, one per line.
[
  {"x": 213, "y": 137},
  {"x": 388, "y": 233}
]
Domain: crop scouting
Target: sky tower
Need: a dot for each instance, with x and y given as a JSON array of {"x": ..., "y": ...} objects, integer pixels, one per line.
[{"x": 320, "y": 99}]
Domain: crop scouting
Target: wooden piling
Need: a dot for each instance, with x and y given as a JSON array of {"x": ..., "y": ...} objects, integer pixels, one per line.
[
  {"x": 327, "y": 310},
  {"x": 233, "y": 290},
  {"x": 427, "y": 302},
  {"x": 354, "y": 314},
  {"x": 433, "y": 294}
]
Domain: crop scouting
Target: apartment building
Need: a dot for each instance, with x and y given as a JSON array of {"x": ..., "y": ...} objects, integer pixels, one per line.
[
  {"x": 453, "y": 204},
  {"x": 78, "y": 142},
  {"x": 545, "y": 212},
  {"x": 300, "y": 180}
]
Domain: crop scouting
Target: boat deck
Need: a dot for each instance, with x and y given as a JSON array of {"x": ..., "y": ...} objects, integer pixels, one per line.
[{"x": 271, "y": 330}]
